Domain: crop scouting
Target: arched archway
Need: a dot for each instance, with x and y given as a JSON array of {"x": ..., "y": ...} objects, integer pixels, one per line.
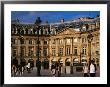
[
  {"x": 75, "y": 61},
  {"x": 23, "y": 62},
  {"x": 15, "y": 62},
  {"x": 46, "y": 64},
  {"x": 60, "y": 61},
  {"x": 67, "y": 62},
  {"x": 83, "y": 60},
  {"x": 53, "y": 61}
]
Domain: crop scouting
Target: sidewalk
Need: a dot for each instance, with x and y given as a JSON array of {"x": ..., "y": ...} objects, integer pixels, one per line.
[{"x": 47, "y": 73}]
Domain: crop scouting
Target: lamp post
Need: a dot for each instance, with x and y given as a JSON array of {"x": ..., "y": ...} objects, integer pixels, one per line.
[
  {"x": 21, "y": 42},
  {"x": 90, "y": 38},
  {"x": 38, "y": 21},
  {"x": 71, "y": 65}
]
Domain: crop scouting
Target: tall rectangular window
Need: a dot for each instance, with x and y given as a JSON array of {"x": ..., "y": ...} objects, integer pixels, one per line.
[
  {"x": 30, "y": 41},
  {"x": 61, "y": 41},
  {"x": 14, "y": 41},
  {"x": 38, "y": 42},
  {"x": 68, "y": 51},
  {"x": 84, "y": 50},
  {"x": 83, "y": 40},
  {"x": 45, "y": 42},
  {"x": 60, "y": 51},
  {"x": 53, "y": 41},
  {"x": 30, "y": 53},
  {"x": 75, "y": 51},
  {"x": 45, "y": 52},
  {"x": 38, "y": 52},
  {"x": 53, "y": 52},
  {"x": 14, "y": 51}
]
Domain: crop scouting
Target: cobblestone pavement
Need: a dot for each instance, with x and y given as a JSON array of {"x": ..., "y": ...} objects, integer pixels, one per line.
[{"x": 47, "y": 73}]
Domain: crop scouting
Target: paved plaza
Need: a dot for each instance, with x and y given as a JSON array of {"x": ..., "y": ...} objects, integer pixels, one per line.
[{"x": 47, "y": 73}]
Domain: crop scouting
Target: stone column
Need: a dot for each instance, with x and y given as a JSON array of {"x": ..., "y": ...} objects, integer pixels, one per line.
[
  {"x": 64, "y": 51},
  {"x": 27, "y": 50},
  {"x": 49, "y": 52},
  {"x": 57, "y": 47}
]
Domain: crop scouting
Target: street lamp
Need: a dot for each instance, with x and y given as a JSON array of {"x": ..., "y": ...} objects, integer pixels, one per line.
[
  {"x": 71, "y": 65},
  {"x": 37, "y": 22},
  {"x": 21, "y": 42},
  {"x": 90, "y": 38}
]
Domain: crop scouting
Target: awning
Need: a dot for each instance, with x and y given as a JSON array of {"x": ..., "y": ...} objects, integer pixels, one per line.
[
  {"x": 54, "y": 59},
  {"x": 83, "y": 58},
  {"x": 68, "y": 60},
  {"x": 76, "y": 59},
  {"x": 61, "y": 60}
]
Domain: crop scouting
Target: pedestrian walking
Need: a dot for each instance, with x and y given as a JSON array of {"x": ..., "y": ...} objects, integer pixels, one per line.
[
  {"x": 53, "y": 70},
  {"x": 13, "y": 70},
  {"x": 22, "y": 70},
  {"x": 59, "y": 70},
  {"x": 92, "y": 69},
  {"x": 85, "y": 70},
  {"x": 28, "y": 66}
]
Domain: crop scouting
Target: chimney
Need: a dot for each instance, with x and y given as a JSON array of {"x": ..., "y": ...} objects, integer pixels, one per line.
[
  {"x": 46, "y": 22},
  {"x": 62, "y": 21}
]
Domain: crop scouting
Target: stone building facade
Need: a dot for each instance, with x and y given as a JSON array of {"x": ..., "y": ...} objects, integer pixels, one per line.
[{"x": 65, "y": 42}]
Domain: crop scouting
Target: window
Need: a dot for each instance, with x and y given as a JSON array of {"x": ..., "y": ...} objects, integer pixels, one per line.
[
  {"x": 53, "y": 41},
  {"x": 60, "y": 51},
  {"x": 38, "y": 52},
  {"x": 84, "y": 27},
  {"x": 68, "y": 51},
  {"x": 84, "y": 60},
  {"x": 30, "y": 53},
  {"x": 22, "y": 41},
  {"x": 75, "y": 51},
  {"x": 46, "y": 32},
  {"x": 13, "y": 40},
  {"x": 83, "y": 40},
  {"x": 40, "y": 30},
  {"x": 22, "y": 51},
  {"x": 53, "y": 52},
  {"x": 61, "y": 41},
  {"x": 97, "y": 52},
  {"x": 38, "y": 42},
  {"x": 45, "y": 52},
  {"x": 77, "y": 26},
  {"x": 68, "y": 41},
  {"x": 14, "y": 52},
  {"x": 30, "y": 41},
  {"x": 45, "y": 42},
  {"x": 84, "y": 50}
]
